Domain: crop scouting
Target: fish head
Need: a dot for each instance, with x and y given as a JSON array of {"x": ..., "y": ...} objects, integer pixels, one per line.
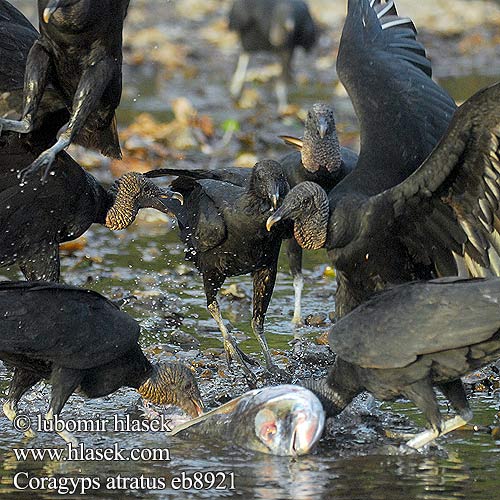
[{"x": 289, "y": 421}]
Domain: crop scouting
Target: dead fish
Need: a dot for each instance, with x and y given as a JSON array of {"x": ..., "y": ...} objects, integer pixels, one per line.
[{"x": 279, "y": 420}]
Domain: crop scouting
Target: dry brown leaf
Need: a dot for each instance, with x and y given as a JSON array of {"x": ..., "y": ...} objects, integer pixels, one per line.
[
  {"x": 73, "y": 246},
  {"x": 322, "y": 339}
]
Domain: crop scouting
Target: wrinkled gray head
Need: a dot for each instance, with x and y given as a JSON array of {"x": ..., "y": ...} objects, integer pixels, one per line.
[
  {"x": 320, "y": 147},
  {"x": 173, "y": 383},
  {"x": 133, "y": 191},
  {"x": 268, "y": 182},
  {"x": 307, "y": 205}
]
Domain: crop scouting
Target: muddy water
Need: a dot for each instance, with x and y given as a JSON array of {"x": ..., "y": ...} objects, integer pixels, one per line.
[
  {"x": 355, "y": 461},
  {"x": 144, "y": 268}
]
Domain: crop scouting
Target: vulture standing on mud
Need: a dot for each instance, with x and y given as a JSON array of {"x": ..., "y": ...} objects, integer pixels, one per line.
[
  {"x": 76, "y": 338},
  {"x": 278, "y": 26},
  {"x": 406, "y": 340},
  {"x": 78, "y": 52},
  {"x": 224, "y": 229},
  {"x": 320, "y": 159},
  {"x": 380, "y": 224},
  {"x": 34, "y": 221}
]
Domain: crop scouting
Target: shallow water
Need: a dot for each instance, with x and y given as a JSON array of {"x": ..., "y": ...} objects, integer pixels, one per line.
[
  {"x": 356, "y": 463},
  {"x": 145, "y": 266}
]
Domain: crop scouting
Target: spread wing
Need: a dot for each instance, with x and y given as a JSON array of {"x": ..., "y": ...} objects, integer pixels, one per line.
[
  {"x": 72, "y": 327},
  {"x": 402, "y": 112},
  {"x": 452, "y": 199},
  {"x": 395, "y": 327}
]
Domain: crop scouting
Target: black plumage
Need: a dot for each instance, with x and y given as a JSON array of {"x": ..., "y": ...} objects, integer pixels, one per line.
[
  {"x": 17, "y": 36},
  {"x": 77, "y": 339},
  {"x": 402, "y": 115},
  {"x": 278, "y": 26},
  {"x": 408, "y": 339},
  {"x": 224, "y": 229},
  {"x": 441, "y": 220},
  {"x": 34, "y": 221},
  {"x": 319, "y": 159},
  {"x": 79, "y": 52}
]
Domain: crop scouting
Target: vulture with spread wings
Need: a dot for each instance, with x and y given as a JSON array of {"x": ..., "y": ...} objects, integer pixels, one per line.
[
  {"x": 407, "y": 211},
  {"x": 442, "y": 220}
]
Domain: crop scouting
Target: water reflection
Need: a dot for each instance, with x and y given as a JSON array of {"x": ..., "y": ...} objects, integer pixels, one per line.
[{"x": 144, "y": 260}]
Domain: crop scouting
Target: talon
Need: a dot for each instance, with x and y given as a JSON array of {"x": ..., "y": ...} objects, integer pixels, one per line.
[
  {"x": 43, "y": 163},
  {"x": 46, "y": 172},
  {"x": 234, "y": 352}
]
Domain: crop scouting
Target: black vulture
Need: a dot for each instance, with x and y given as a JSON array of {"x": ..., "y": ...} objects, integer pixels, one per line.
[
  {"x": 79, "y": 52},
  {"x": 442, "y": 220},
  {"x": 224, "y": 229},
  {"x": 321, "y": 159},
  {"x": 78, "y": 339},
  {"x": 277, "y": 26},
  {"x": 373, "y": 237},
  {"x": 406, "y": 340},
  {"x": 32, "y": 221}
]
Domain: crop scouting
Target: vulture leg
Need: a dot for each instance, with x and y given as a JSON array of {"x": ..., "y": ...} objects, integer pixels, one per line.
[
  {"x": 21, "y": 382},
  {"x": 64, "y": 382},
  {"x": 212, "y": 285},
  {"x": 294, "y": 254},
  {"x": 92, "y": 85},
  {"x": 239, "y": 75},
  {"x": 35, "y": 81}
]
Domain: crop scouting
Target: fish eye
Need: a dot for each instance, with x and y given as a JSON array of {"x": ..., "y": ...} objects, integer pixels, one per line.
[{"x": 269, "y": 431}]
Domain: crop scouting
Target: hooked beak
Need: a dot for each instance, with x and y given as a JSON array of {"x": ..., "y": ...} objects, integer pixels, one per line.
[
  {"x": 275, "y": 197},
  {"x": 169, "y": 194},
  {"x": 272, "y": 220},
  {"x": 50, "y": 9},
  {"x": 289, "y": 140},
  {"x": 322, "y": 127},
  {"x": 163, "y": 202}
]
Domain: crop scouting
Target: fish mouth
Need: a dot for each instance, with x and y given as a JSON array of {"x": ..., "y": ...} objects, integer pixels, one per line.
[
  {"x": 50, "y": 9},
  {"x": 294, "y": 445},
  {"x": 305, "y": 435}
]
